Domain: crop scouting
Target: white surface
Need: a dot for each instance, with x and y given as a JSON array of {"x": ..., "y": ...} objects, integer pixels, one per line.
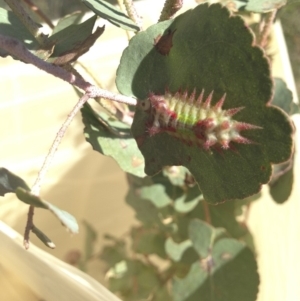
[{"x": 47, "y": 276}]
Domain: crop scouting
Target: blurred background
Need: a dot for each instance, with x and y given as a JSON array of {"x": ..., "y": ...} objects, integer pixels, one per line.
[{"x": 92, "y": 187}]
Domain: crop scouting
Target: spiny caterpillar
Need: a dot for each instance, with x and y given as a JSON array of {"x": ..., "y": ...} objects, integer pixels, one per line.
[{"x": 194, "y": 121}]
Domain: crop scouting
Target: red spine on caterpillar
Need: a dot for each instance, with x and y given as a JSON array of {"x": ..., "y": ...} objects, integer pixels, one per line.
[{"x": 194, "y": 120}]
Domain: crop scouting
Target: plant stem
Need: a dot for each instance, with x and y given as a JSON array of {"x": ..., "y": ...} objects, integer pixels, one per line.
[
  {"x": 24, "y": 17},
  {"x": 262, "y": 38},
  {"x": 29, "y": 226},
  {"x": 37, "y": 185},
  {"x": 37, "y": 10},
  {"x": 206, "y": 212},
  {"x": 121, "y": 6},
  {"x": 17, "y": 49},
  {"x": 132, "y": 13},
  {"x": 115, "y": 109},
  {"x": 170, "y": 9}
]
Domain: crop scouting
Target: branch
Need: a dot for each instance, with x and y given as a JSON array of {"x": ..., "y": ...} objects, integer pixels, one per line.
[
  {"x": 29, "y": 226},
  {"x": 170, "y": 9},
  {"x": 18, "y": 49},
  {"x": 35, "y": 9},
  {"x": 132, "y": 13},
  {"x": 206, "y": 212},
  {"x": 267, "y": 23},
  {"x": 24, "y": 17},
  {"x": 37, "y": 185}
]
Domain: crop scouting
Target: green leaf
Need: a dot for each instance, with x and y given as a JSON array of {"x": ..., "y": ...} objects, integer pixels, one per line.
[
  {"x": 176, "y": 250},
  {"x": 44, "y": 238},
  {"x": 65, "y": 218},
  {"x": 112, "y": 139},
  {"x": 179, "y": 175},
  {"x": 125, "y": 273},
  {"x": 162, "y": 294},
  {"x": 208, "y": 49},
  {"x": 283, "y": 98},
  {"x": 112, "y": 254},
  {"x": 281, "y": 184},
  {"x": 109, "y": 12},
  {"x": 90, "y": 239},
  {"x": 72, "y": 41},
  {"x": 145, "y": 211},
  {"x": 69, "y": 21},
  {"x": 9, "y": 182},
  {"x": 148, "y": 241},
  {"x": 188, "y": 201},
  {"x": 156, "y": 195},
  {"x": 202, "y": 236},
  {"x": 258, "y": 6},
  {"x": 228, "y": 272},
  {"x": 12, "y": 27}
]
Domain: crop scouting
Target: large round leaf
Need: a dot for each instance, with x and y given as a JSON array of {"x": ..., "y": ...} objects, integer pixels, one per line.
[
  {"x": 206, "y": 48},
  {"x": 226, "y": 269}
]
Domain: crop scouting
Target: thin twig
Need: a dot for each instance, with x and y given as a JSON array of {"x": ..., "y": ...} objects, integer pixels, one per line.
[
  {"x": 132, "y": 13},
  {"x": 206, "y": 212},
  {"x": 29, "y": 226},
  {"x": 121, "y": 6},
  {"x": 37, "y": 185},
  {"x": 113, "y": 108},
  {"x": 262, "y": 38},
  {"x": 170, "y": 9},
  {"x": 38, "y": 11},
  {"x": 34, "y": 28},
  {"x": 17, "y": 49}
]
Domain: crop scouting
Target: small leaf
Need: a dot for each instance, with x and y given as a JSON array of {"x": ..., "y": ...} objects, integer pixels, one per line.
[
  {"x": 9, "y": 182},
  {"x": 162, "y": 294},
  {"x": 111, "y": 13},
  {"x": 114, "y": 253},
  {"x": 178, "y": 175},
  {"x": 65, "y": 218},
  {"x": 90, "y": 239},
  {"x": 11, "y": 26},
  {"x": 188, "y": 201},
  {"x": 228, "y": 272},
  {"x": 148, "y": 241},
  {"x": 281, "y": 184},
  {"x": 201, "y": 235},
  {"x": 73, "y": 40},
  {"x": 125, "y": 273},
  {"x": 176, "y": 250},
  {"x": 145, "y": 211},
  {"x": 258, "y": 6},
  {"x": 114, "y": 140},
  {"x": 156, "y": 195},
  {"x": 45, "y": 239},
  {"x": 283, "y": 98}
]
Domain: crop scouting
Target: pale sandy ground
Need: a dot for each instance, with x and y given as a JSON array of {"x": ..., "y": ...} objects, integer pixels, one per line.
[{"x": 92, "y": 187}]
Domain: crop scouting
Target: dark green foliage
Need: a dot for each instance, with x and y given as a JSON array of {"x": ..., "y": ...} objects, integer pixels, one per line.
[
  {"x": 209, "y": 59},
  {"x": 184, "y": 243},
  {"x": 72, "y": 38},
  {"x": 184, "y": 248},
  {"x": 9, "y": 182}
]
